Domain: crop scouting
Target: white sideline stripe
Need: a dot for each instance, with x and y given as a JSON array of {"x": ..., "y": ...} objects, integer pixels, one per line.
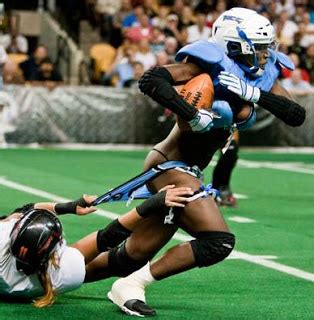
[
  {"x": 256, "y": 256},
  {"x": 178, "y": 236},
  {"x": 240, "y": 196},
  {"x": 241, "y": 219},
  {"x": 129, "y": 146},
  {"x": 285, "y": 166}
]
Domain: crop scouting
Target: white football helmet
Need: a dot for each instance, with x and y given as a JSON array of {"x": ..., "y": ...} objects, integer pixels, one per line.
[{"x": 241, "y": 31}]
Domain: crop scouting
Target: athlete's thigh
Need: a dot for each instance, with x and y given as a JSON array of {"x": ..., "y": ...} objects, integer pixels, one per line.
[
  {"x": 202, "y": 215},
  {"x": 149, "y": 237},
  {"x": 199, "y": 215}
]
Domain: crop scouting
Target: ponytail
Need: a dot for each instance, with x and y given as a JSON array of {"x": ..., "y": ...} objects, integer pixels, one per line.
[{"x": 49, "y": 296}]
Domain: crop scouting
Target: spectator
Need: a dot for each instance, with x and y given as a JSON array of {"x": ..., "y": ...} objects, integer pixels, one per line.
[
  {"x": 219, "y": 8},
  {"x": 47, "y": 71},
  {"x": 150, "y": 8},
  {"x": 105, "y": 9},
  {"x": 171, "y": 29},
  {"x": 14, "y": 42},
  {"x": 296, "y": 47},
  {"x": 187, "y": 19},
  {"x": 199, "y": 31},
  {"x": 122, "y": 67},
  {"x": 142, "y": 31},
  {"x": 299, "y": 12},
  {"x": 12, "y": 74},
  {"x": 30, "y": 67},
  {"x": 117, "y": 19},
  {"x": 308, "y": 30},
  {"x": 285, "y": 5},
  {"x": 144, "y": 55},
  {"x": 183, "y": 39},
  {"x": 162, "y": 59},
  {"x": 131, "y": 20},
  {"x": 157, "y": 42},
  {"x": 295, "y": 85},
  {"x": 47, "y": 75},
  {"x": 308, "y": 62},
  {"x": 161, "y": 20},
  {"x": 286, "y": 73},
  {"x": 138, "y": 70},
  {"x": 178, "y": 7},
  {"x": 171, "y": 47},
  {"x": 270, "y": 12},
  {"x": 285, "y": 29},
  {"x": 122, "y": 13}
]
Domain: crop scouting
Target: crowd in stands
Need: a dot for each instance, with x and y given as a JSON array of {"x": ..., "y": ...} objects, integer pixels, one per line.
[
  {"x": 18, "y": 65},
  {"x": 149, "y": 33},
  {"x": 139, "y": 34}
]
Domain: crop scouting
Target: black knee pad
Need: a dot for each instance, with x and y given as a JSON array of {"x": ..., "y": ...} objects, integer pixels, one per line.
[
  {"x": 111, "y": 236},
  {"x": 212, "y": 247},
  {"x": 121, "y": 264}
]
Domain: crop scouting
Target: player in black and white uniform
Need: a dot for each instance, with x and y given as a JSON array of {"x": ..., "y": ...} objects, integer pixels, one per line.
[{"x": 35, "y": 260}]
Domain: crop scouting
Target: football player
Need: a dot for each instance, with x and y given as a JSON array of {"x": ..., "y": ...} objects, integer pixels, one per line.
[
  {"x": 36, "y": 262},
  {"x": 242, "y": 60}
]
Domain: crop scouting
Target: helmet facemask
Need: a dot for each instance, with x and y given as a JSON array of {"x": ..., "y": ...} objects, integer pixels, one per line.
[
  {"x": 245, "y": 37},
  {"x": 249, "y": 55}
]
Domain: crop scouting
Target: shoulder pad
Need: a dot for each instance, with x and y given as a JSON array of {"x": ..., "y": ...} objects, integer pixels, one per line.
[
  {"x": 284, "y": 60},
  {"x": 203, "y": 50}
]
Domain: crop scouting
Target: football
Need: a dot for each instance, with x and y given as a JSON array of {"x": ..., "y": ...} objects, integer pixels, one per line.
[{"x": 199, "y": 92}]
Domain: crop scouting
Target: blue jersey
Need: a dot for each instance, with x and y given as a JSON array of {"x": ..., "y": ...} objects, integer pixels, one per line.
[{"x": 212, "y": 59}]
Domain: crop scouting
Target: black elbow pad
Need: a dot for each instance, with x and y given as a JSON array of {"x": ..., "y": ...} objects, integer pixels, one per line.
[
  {"x": 158, "y": 84},
  {"x": 285, "y": 109}
]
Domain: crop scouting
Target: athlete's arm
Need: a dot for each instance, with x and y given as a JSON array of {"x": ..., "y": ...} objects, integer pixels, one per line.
[
  {"x": 278, "y": 101},
  {"x": 80, "y": 206},
  {"x": 120, "y": 229},
  {"x": 158, "y": 84}
]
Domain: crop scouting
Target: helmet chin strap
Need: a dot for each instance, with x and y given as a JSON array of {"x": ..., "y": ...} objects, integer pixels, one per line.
[{"x": 255, "y": 70}]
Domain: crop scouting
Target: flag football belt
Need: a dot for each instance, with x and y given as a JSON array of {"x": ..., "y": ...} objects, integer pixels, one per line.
[{"x": 136, "y": 188}]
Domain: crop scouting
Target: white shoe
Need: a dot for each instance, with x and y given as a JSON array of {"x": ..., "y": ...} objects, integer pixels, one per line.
[{"x": 129, "y": 295}]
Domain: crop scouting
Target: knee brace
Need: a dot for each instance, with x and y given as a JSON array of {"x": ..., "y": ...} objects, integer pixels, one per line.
[
  {"x": 212, "y": 247},
  {"x": 121, "y": 264}
]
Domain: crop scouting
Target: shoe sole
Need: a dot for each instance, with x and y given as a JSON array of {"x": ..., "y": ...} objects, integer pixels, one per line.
[{"x": 123, "y": 308}]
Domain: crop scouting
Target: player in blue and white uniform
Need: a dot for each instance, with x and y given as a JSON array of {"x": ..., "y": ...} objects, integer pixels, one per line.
[{"x": 242, "y": 60}]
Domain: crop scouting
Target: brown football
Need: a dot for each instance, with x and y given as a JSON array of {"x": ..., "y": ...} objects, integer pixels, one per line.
[{"x": 199, "y": 92}]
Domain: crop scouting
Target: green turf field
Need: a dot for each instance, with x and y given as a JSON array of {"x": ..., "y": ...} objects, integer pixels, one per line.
[{"x": 270, "y": 275}]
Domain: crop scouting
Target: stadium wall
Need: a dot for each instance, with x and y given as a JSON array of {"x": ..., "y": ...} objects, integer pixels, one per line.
[{"x": 94, "y": 114}]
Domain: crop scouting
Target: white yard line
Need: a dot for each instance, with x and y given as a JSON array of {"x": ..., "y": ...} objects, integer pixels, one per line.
[
  {"x": 241, "y": 219},
  {"x": 260, "y": 260},
  {"x": 285, "y": 166}
]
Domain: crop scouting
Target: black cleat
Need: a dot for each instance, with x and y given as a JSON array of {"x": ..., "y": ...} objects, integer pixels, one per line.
[{"x": 138, "y": 308}]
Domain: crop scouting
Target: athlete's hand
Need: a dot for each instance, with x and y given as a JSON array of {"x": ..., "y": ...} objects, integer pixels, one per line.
[
  {"x": 239, "y": 87},
  {"x": 202, "y": 121},
  {"x": 176, "y": 197},
  {"x": 89, "y": 208}
]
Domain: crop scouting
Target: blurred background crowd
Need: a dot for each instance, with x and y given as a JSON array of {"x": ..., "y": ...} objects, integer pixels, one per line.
[{"x": 123, "y": 38}]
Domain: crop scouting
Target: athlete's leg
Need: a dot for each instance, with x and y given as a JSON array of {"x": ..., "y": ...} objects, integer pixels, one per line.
[
  {"x": 213, "y": 243},
  {"x": 223, "y": 171}
]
